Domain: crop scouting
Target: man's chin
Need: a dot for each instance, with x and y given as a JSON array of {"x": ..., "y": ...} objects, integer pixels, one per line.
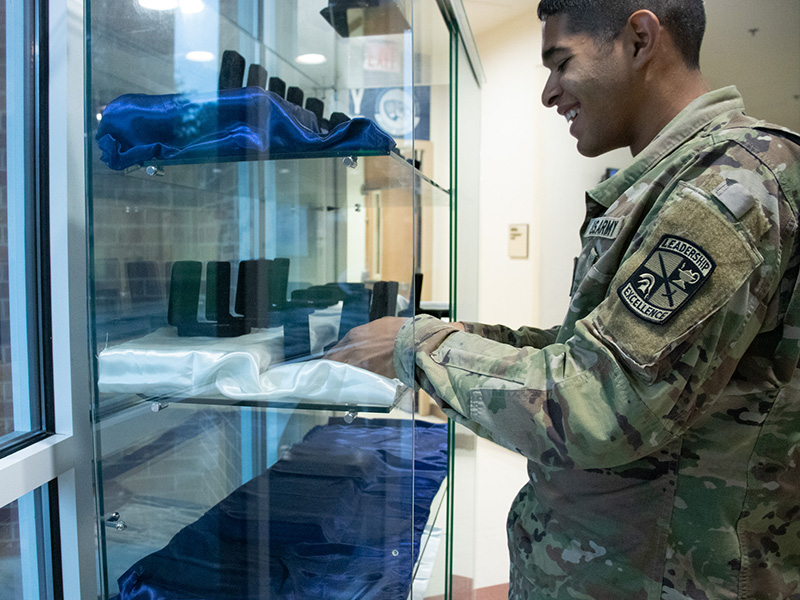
[
  {"x": 592, "y": 150},
  {"x": 589, "y": 151}
]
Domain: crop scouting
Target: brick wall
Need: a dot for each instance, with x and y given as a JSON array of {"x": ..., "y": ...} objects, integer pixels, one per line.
[{"x": 155, "y": 221}]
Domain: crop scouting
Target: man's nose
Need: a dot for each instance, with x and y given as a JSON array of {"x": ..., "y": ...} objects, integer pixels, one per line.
[{"x": 551, "y": 92}]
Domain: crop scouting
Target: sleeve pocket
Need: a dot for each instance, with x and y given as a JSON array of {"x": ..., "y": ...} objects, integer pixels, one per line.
[
  {"x": 495, "y": 361},
  {"x": 691, "y": 264}
]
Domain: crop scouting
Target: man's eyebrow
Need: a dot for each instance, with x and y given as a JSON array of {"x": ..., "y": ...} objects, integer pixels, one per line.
[{"x": 548, "y": 54}]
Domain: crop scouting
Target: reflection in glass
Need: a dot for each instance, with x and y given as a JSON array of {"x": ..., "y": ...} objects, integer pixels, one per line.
[
  {"x": 10, "y": 562},
  {"x": 23, "y": 528},
  {"x": 19, "y": 410},
  {"x": 6, "y": 406}
]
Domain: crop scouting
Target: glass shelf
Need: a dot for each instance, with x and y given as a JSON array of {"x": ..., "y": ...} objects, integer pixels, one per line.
[
  {"x": 384, "y": 171},
  {"x": 153, "y": 167},
  {"x": 126, "y": 403},
  {"x": 402, "y": 396},
  {"x": 394, "y": 173}
]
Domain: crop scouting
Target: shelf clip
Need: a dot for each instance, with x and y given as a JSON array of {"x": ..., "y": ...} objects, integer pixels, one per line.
[
  {"x": 350, "y": 416},
  {"x": 158, "y": 405},
  {"x": 350, "y": 161},
  {"x": 115, "y": 522},
  {"x": 153, "y": 170}
]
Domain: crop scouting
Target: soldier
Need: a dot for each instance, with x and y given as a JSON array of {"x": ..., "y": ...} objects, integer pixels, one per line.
[{"x": 661, "y": 420}]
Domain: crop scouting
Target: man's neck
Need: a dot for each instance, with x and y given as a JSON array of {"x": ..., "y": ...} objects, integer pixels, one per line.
[{"x": 666, "y": 100}]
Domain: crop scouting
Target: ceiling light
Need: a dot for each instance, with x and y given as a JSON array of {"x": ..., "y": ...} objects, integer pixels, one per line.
[
  {"x": 159, "y": 4},
  {"x": 311, "y": 59},
  {"x": 191, "y": 6},
  {"x": 200, "y": 56}
]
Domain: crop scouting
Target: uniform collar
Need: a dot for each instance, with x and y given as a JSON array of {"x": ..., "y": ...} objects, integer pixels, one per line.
[{"x": 697, "y": 115}]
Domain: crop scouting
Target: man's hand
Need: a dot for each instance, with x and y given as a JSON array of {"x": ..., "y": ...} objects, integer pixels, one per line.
[{"x": 370, "y": 346}]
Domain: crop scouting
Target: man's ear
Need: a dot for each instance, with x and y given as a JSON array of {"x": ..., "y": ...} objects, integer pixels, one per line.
[{"x": 644, "y": 32}]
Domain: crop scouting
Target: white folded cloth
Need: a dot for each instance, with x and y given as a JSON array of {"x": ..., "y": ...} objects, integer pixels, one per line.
[{"x": 246, "y": 367}]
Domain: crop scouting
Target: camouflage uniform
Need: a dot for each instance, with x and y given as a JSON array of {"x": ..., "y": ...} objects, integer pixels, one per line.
[{"x": 661, "y": 420}]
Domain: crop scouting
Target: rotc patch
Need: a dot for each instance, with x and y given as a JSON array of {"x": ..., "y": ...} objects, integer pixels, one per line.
[{"x": 670, "y": 275}]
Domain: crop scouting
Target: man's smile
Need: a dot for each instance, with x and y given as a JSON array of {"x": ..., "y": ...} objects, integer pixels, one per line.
[{"x": 572, "y": 113}]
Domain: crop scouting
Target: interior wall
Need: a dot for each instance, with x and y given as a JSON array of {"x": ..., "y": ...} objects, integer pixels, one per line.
[{"x": 531, "y": 173}]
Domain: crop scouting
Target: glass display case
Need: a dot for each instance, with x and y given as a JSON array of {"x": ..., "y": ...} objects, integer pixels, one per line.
[{"x": 264, "y": 176}]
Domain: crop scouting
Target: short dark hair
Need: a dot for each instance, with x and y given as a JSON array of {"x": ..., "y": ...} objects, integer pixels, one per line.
[{"x": 685, "y": 20}]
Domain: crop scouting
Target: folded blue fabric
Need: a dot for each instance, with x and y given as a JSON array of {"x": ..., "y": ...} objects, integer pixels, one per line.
[
  {"x": 340, "y": 516},
  {"x": 241, "y": 123}
]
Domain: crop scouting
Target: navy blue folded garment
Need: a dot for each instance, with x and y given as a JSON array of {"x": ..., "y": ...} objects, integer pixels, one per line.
[
  {"x": 338, "y": 517},
  {"x": 231, "y": 124}
]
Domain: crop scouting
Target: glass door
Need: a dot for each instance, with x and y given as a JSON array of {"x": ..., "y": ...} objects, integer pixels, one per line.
[{"x": 261, "y": 180}]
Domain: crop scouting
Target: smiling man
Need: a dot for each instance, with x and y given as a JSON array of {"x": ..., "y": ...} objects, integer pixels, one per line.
[
  {"x": 661, "y": 420},
  {"x": 620, "y": 82}
]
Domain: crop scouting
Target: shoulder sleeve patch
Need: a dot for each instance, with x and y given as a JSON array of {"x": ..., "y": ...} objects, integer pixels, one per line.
[
  {"x": 691, "y": 263},
  {"x": 667, "y": 279}
]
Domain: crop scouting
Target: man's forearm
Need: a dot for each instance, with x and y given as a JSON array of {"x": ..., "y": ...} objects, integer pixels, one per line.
[{"x": 519, "y": 338}]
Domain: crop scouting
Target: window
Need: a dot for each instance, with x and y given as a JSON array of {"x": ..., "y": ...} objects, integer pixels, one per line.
[
  {"x": 29, "y": 519},
  {"x": 10, "y": 551},
  {"x": 23, "y": 416},
  {"x": 26, "y": 550}
]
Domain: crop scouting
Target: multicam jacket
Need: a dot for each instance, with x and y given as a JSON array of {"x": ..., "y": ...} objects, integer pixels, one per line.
[{"x": 661, "y": 420}]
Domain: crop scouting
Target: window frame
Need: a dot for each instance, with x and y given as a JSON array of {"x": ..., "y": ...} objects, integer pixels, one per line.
[
  {"x": 62, "y": 460},
  {"x": 28, "y": 225}
]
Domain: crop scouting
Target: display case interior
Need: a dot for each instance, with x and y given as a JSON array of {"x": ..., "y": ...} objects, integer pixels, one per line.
[{"x": 264, "y": 176}]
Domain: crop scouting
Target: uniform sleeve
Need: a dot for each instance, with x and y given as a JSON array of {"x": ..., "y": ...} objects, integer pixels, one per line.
[
  {"x": 524, "y": 336},
  {"x": 645, "y": 364},
  {"x": 563, "y": 405}
]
